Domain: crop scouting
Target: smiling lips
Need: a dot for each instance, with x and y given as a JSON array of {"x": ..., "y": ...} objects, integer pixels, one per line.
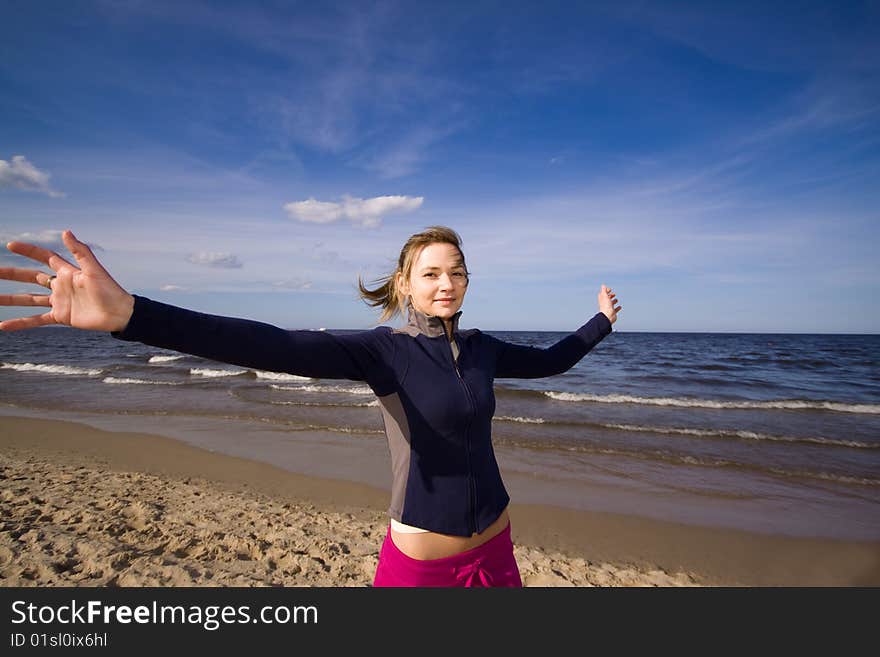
[{"x": 445, "y": 300}]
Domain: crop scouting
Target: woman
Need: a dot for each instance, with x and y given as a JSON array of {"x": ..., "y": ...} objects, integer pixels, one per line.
[{"x": 434, "y": 382}]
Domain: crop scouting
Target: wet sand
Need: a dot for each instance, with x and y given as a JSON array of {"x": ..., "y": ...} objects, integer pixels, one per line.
[{"x": 86, "y": 507}]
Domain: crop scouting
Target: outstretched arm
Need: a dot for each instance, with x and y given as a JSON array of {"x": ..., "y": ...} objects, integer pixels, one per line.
[
  {"x": 85, "y": 296},
  {"x": 361, "y": 356},
  {"x": 523, "y": 362}
]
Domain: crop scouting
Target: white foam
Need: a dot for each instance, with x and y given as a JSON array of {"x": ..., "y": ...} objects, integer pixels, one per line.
[
  {"x": 197, "y": 371},
  {"x": 320, "y": 427},
  {"x": 526, "y": 420},
  {"x": 747, "y": 435},
  {"x": 354, "y": 390},
  {"x": 785, "y": 404},
  {"x": 115, "y": 380},
  {"x": 67, "y": 370},
  {"x": 163, "y": 359},
  {"x": 375, "y": 402},
  {"x": 280, "y": 376}
]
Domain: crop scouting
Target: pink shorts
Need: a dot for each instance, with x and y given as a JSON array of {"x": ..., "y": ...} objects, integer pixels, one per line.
[{"x": 489, "y": 564}]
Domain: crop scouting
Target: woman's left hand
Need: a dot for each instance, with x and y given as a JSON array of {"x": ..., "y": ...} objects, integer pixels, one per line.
[{"x": 607, "y": 299}]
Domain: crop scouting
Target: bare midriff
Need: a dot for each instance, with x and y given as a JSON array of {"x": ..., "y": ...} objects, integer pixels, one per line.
[{"x": 429, "y": 545}]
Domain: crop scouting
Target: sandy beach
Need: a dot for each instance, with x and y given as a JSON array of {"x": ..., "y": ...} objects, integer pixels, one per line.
[{"x": 85, "y": 507}]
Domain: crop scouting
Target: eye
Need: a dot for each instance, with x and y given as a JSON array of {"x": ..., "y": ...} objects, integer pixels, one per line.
[{"x": 430, "y": 274}]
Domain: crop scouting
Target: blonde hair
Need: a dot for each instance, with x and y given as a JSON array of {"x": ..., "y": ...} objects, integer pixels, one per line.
[{"x": 386, "y": 294}]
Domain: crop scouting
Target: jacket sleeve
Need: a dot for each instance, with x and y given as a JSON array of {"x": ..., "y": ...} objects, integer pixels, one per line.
[
  {"x": 362, "y": 356},
  {"x": 517, "y": 361}
]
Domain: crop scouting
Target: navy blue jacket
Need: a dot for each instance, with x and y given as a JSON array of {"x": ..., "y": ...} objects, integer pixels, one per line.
[{"x": 437, "y": 410}]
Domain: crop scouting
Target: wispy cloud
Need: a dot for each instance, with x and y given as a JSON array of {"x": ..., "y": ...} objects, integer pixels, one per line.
[
  {"x": 48, "y": 239},
  {"x": 838, "y": 102},
  {"x": 326, "y": 118},
  {"x": 693, "y": 218},
  {"x": 366, "y": 213},
  {"x": 340, "y": 80},
  {"x": 292, "y": 284},
  {"x": 221, "y": 260},
  {"x": 19, "y": 173},
  {"x": 405, "y": 155},
  {"x": 359, "y": 79}
]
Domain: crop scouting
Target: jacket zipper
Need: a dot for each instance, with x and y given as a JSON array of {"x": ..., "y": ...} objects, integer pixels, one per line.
[{"x": 472, "y": 491}]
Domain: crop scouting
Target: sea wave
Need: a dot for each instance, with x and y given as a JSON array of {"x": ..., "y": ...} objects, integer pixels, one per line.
[
  {"x": 375, "y": 402},
  {"x": 119, "y": 380},
  {"x": 280, "y": 376},
  {"x": 200, "y": 371},
  {"x": 698, "y": 461},
  {"x": 783, "y": 404},
  {"x": 524, "y": 420},
  {"x": 828, "y": 476},
  {"x": 354, "y": 390},
  {"x": 164, "y": 359},
  {"x": 67, "y": 370},
  {"x": 744, "y": 435},
  {"x": 323, "y": 427}
]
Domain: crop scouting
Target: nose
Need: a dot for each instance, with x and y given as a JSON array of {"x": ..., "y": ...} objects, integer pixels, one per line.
[{"x": 445, "y": 282}]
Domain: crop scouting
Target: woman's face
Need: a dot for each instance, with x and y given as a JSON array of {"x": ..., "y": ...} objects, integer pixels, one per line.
[{"x": 437, "y": 282}]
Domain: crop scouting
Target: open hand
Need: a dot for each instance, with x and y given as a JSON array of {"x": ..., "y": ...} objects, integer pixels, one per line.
[
  {"x": 84, "y": 297},
  {"x": 607, "y": 299}
]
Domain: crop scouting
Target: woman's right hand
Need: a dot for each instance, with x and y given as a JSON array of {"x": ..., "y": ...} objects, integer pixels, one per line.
[{"x": 86, "y": 297}]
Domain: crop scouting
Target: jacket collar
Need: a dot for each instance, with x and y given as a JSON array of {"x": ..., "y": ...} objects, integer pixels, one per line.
[{"x": 429, "y": 325}]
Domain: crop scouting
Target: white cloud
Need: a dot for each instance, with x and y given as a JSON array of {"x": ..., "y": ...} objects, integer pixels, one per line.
[
  {"x": 223, "y": 260},
  {"x": 318, "y": 212},
  {"x": 367, "y": 212},
  {"x": 172, "y": 288},
  {"x": 21, "y": 174}
]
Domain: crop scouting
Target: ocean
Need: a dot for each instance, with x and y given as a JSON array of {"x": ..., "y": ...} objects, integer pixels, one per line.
[{"x": 777, "y": 433}]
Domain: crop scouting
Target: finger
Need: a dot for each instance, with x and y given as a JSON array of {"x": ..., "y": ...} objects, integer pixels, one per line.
[
  {"x": 81, "y": 251},
  {"x": 27, "y": 322},
  {"x": 23, "y": 275},
  {"x": 38, "y": 253},
  {"x": 24, "y": 300}
]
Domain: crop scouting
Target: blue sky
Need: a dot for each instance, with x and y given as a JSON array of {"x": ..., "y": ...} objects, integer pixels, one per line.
[{"x": 717, "y": 164}]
